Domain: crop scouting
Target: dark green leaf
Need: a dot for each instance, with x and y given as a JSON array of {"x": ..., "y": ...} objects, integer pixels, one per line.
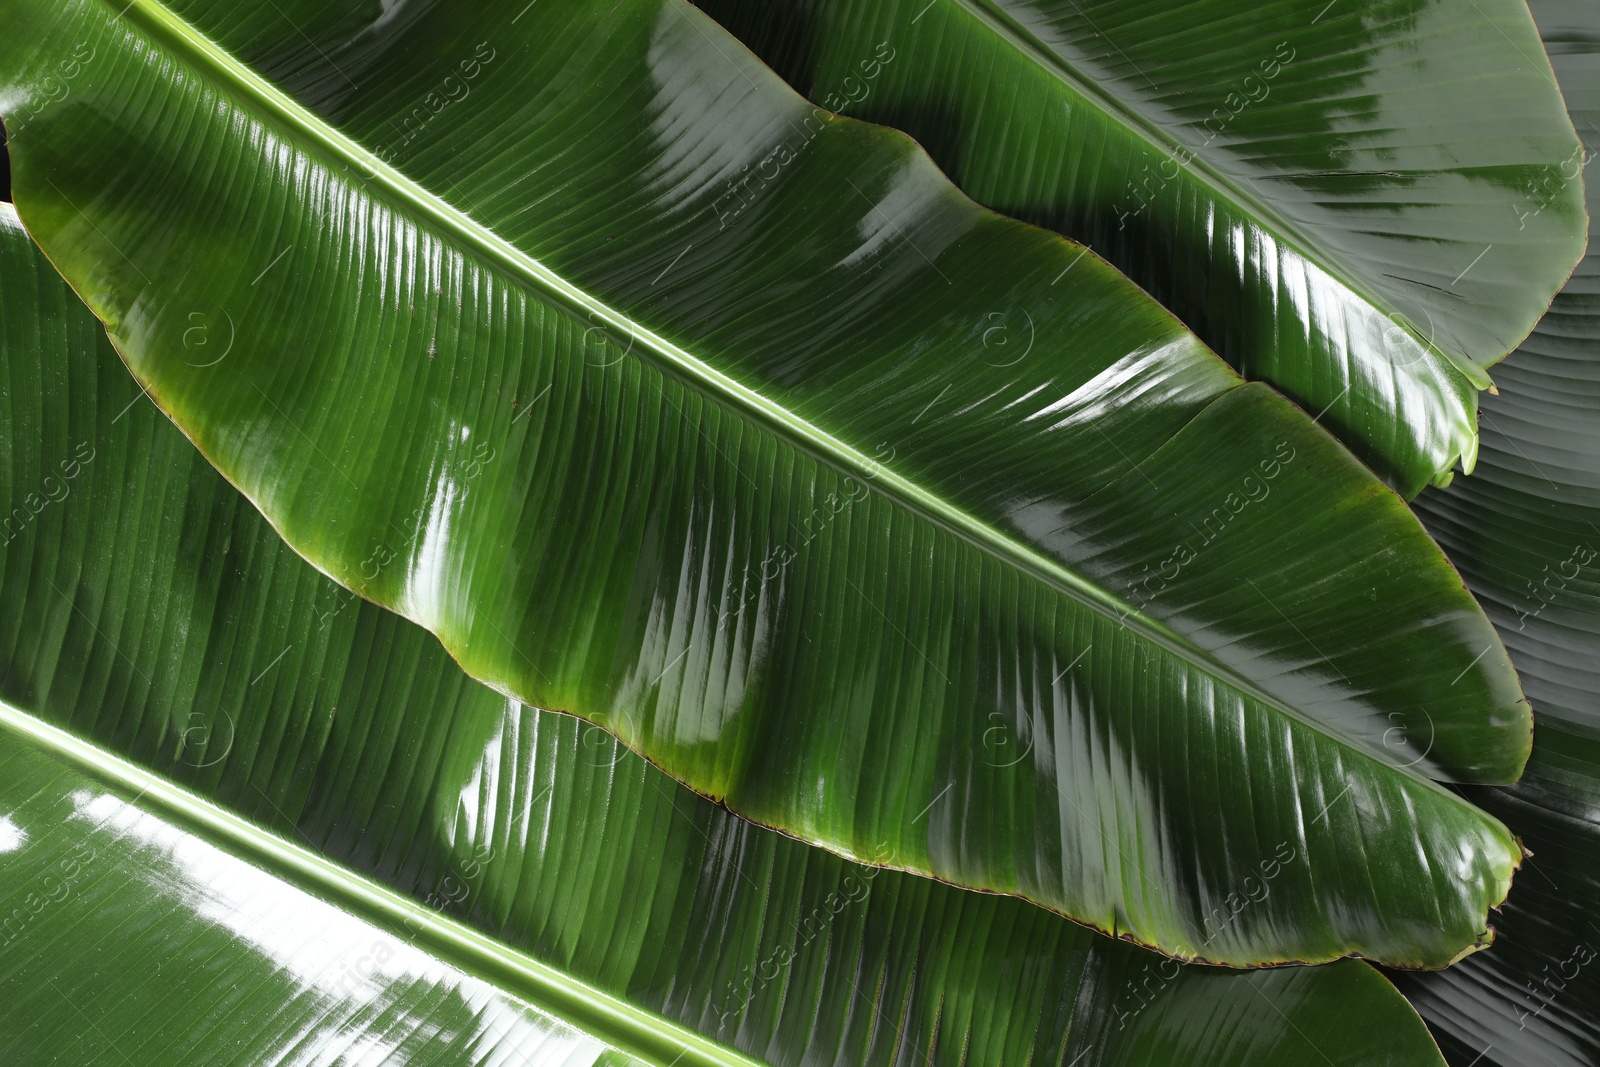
[
  {"x": 150, "y": 610},
  {"x": 769, "y": 497},
  {"x": 1361, "y": 203}
]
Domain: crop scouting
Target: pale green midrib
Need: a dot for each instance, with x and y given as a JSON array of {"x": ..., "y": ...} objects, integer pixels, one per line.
[
  {"x": 541, "y": 986},
  {"x": 1006, "y": 27},
  {"x": 719, "y": 386}
]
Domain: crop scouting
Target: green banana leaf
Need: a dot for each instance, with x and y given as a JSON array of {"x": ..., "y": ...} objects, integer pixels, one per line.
[
  {"x": 158, "y": 636},
  {"x": 757, "y": 495},
  {"x": 132, "y": 936},
  {"x": 1364, "y": 204},
  {"x": 1526, "y": 533}
]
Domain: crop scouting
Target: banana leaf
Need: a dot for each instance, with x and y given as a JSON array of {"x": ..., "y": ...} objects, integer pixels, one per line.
[
  {"x": 133, "y": 936},
  {"x": 1365, "y": 204},
  {"x": 912, "y": 531},
  {"x": 219, "y": 741},
  {"x": 1526, "y": 533}
]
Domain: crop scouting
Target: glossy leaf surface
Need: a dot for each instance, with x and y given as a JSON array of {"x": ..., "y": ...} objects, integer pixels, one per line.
[
  {"x": 150, "y": 610},
  {"x": 1526, "y": 533},
  {"x": 1361, "y": 203},
  {"x": 692, "y": 480},
  {"x": 130, "y": 939}
]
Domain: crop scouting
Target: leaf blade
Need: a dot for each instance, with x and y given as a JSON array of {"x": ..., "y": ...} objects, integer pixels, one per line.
[
  {"x": 718, "y": 494},
  {"x": 1328, "y": 194},
  {"x": 162, "y": 636}
]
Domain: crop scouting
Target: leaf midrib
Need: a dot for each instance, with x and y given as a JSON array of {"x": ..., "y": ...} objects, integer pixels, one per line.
[
  {"x": 174, "y": 30},
  {"x": 543, "y": 987},
  {"x": 1007, "y": 28}
]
